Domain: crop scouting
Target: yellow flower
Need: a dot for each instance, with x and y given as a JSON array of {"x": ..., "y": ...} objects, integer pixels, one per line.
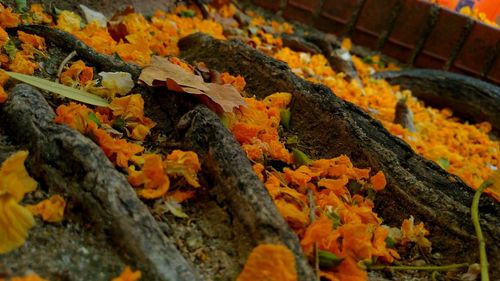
[
  {"x": 69, "y": 21},
  {"x": 183, "y": 163},
  {"x": 22, "y": 64},
  {"x": 15, "y": 220},
  {"x": 51, "y": 210}
]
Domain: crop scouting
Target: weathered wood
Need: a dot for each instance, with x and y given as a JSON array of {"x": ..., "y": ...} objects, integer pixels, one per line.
[
  {"x": 299, "y": 44},
  {"x": 235, "y": 183},
  {"x": 468, "y": 98},
  {"x": 66, "y": 41},
  {"x": 223, "y": 162},
  {"x": 68, "y": 161},
  {"x": 329, "y": 127}
]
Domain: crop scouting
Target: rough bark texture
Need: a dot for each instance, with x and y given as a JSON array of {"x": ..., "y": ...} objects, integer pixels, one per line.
[
  {"x": 235, "y": 183},
  {"x": 232, "y": 181},
  {"x": 469, "y": 98},
  {"x": 329, "y": 127},
  {"x": 72, "y": 163},
  {"x": 67, "y": 41}
]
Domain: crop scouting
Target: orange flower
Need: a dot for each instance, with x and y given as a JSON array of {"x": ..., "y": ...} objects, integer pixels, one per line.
[
  {"x": 36, "y": 41},
  {"x": 3, "y": 79},
  {"x": 15, "y": 220},
  {"x": 378, "y": 181},
  {"x": 128, "y": 275},
  {"x": 29, "y": 277},
  {"x": 294, "y": 215},
  {"x": 414, "y": 233},
  {"x": 271, "y": 263},
  {"x": 238, "y": 82},
  {"x": 131, "y": 109},
  {"x": 117, "y": 150},
  {"x": 183, "y": 163},
  {"x": 77, "y": 74},
  {"x": 8, "y": 18},
  {"x": 4, "y": 37},
  {"x": 74, "y": 115},
  {"x": 51, "y": 210},
  {"x": 380, "y": 247},
  {"x": 152, "y": 177},
  {"x": 321, "y": 231},
  {"x": 259, "y": 169},
  {"x": 337, "y": 186},
  {"x": 182, "y": 195},
  {"x": 348, "y": 270},
  {"x": 299, "y": 177},
  {"x": 39, "y": 15}
]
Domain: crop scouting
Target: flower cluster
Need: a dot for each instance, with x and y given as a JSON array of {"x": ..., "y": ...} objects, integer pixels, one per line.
[
  {"x": 465, "y": 150},
  {"x": 342, "y": 222},
  {"x": 148, "y": 172}
]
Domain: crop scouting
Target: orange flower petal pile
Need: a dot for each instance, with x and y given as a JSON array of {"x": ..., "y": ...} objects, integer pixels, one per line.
[
  {"x": 271, "y": 263},
  {"x": 471, "y": 154}
]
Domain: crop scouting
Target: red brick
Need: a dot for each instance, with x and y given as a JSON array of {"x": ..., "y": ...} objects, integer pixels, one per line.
[
  {"x": 273, "y": 5},
  {"x": 442, "y": 40},
  {"x": 406, "y": 31},
  {"x": 375, "y": 18},
  {"x": 477, "y": 49},
  {"x": 494, "y": 74},
  {"x": 302, "y": 10},
  {"x": 334, "y": 15}
]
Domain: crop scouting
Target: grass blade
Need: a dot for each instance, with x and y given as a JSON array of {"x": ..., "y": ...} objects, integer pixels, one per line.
[{"x": 65, "y": 91}]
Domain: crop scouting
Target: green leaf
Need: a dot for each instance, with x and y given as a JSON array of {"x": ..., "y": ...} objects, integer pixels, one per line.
[
  {"x": 117, "y": 56},
  {"x": 21, "y": 6},
  {"x": 328, "y": 260},
  {"x": 443, "y": 162},
  {"x": 285, "y": 118},
  {"x": 334, "y": 218},
  {"x": 389, "y": 242},
  {"x": 92, "y": 117},
  {"x": 354, "y": 186},
  {"x": 55, "y": 11},
  {"x": 368, "y": 60},
  {"x": 65, "y": 91},
  {"x": 175, "y": 208},
  {"x": 10, "y": 49},
  {"x": 119, "y": 124},
  {"x": 291, "y": 140},
  {"x": 187, "y": 14},
  {"x": 382, "y": 64},
  {"x": 300, "y": 157}
]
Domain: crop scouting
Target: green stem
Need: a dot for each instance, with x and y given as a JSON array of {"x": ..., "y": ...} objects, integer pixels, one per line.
[
  {"x": 483, "y": 259},
  {"x": 450, "y": 267}
]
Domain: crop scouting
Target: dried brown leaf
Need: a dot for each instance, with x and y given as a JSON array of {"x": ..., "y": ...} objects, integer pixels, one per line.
[
  {"x": 226, "y": 96},
  {"x": 162, "y": 72}
]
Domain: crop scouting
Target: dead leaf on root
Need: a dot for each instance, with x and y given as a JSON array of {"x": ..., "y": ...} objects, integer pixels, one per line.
[{"x": 162, "y": 72}]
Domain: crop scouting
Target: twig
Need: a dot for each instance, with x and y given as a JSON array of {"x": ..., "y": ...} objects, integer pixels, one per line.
[
  {"x": 451, "y": 267},
  {"x": 63, "y": 63},
  {"x": 483, "y": 259}
]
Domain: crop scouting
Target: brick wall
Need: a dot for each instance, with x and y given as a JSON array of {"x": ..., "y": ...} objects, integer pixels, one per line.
[{"x": 415, "y": 32}]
